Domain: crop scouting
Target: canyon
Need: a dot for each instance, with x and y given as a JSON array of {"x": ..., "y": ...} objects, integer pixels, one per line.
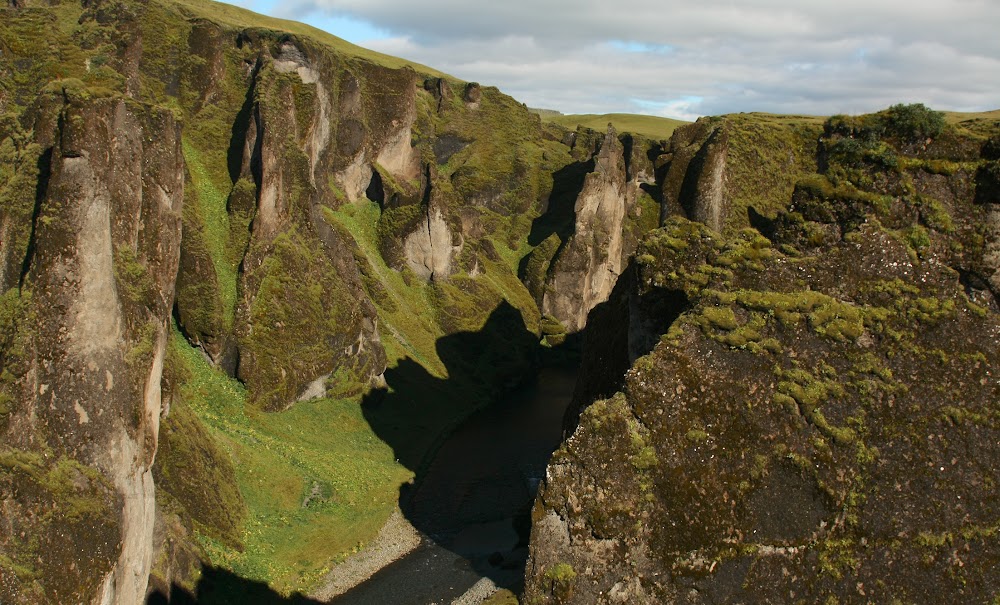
[{"x": 254, "y": 278}]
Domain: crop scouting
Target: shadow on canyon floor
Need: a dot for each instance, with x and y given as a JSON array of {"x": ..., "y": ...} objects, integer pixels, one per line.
[
  {"x": 476, "y": 478},
  {"x": 219, "y": 586},
  {"x": 477, "y": 441}
]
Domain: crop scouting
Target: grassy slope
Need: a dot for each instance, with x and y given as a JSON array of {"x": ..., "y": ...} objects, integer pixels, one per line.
[
  {"x": 280, "y": 457},
  {"x": 784, "y": 119},
  {"x": 648, "y": 126},
  {"x": 407, "y": 329},
  {"x": 959, "y": 116},
  {"x": 234, "y": 16},
  {"x": 662, "y": 128},
  {"x": 324, "y": 447},
  {"x": 410, "y": 332},
  {"x": 212, "y": 203},
  {"x": 767, "y": 154}
]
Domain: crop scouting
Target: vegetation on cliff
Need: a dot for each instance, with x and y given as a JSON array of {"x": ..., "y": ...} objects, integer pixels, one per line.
[
  {"x": 285, "y": 266},
  {"x": 815, "y": 415},
  {"x": 344, "y": 229}
]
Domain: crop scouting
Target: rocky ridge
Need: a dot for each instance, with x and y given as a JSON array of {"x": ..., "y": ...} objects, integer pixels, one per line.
[
  {"x": 208, "y": 219},
  {"x": 809, "y": 407},
  {"x": 222, "y": 236}
]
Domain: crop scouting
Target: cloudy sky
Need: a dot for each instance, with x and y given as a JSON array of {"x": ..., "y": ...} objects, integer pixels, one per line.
[{"x": 688, "y": 58}]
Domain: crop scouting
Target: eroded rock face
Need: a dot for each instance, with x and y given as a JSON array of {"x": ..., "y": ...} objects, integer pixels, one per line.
[
  {"x": 429, "y": 251},
  {"x": 98, "y": 289},
  {"x": 291, "y": 136},
  {"x": 719, "y": 170},
  {"x": 695, "y": 180},
  {"x": 388, "y": 146},
  {"x": 589, "y": 265},
  {"x": 472, "y": 95},
  {"x": 291, "y": 59},
  {"x": 772, "y": 445},
  {"x": 311, "y": 132},
  {"x": 801, "y": 392},
  {"x": 993, "y": 250}
]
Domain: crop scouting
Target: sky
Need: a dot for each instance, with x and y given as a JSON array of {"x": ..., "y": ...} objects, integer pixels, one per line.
[{"x": 685, "y": 59}]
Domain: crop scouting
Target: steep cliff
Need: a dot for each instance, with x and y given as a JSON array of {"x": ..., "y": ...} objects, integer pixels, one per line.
[
  {"x": 86, "y": 320},
  {"x": 232, "y": 236},
  {"x": 591, "y": 228},
  {"x": 717, "y": 169},
  {"x": 810, "y": 408},
  {"x": 590, "y": 262}
]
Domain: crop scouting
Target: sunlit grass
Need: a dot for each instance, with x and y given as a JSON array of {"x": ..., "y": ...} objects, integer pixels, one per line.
[
  {"x": 653, "y": 127},
  {"x": 411, "y": 324},
  {"x": 215, "y": 219},
  {"x": 785, "y": 119},
  {"x": 324, "y": 446}
]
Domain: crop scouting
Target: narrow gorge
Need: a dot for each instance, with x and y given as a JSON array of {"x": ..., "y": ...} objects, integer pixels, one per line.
[{"x": 267, "y": 296}]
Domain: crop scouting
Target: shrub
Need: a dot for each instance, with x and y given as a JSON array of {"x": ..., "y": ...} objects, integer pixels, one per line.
[{"x": 912, "y": 122}]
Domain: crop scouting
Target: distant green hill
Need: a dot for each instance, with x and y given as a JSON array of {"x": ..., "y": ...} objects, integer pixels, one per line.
[
  {"x": 781, "y": 118},
  {"x": 650, "y": 126},
  {"x": 958, "y": 116},
  {"x": 234, "y": 16},
  {"x": 661, "y": 128},
  {"x": 982, "y": 121}
]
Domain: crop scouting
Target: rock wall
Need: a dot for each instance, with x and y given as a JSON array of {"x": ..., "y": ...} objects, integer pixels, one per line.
[
  {"x": 97, "y": 288},
  {"x": 291, "y": 205},
  {"x": 695, "y": 180},
  {"x": 722, "y": 170},
  {"x": 293, "y": 139},
  {"x": 802, "y": 391},
  {"x": 429, "y": 250},
  {"x": 577, "y": 266},
  {"x": 589, "y": 264}
]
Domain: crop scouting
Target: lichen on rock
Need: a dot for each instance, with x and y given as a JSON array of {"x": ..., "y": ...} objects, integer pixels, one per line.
[
  {"x": 803, "y": 393},
  {"x": 98, "y": 279}
]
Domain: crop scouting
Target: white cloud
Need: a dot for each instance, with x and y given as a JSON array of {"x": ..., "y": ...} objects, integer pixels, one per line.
[{"x": 696, "y": 58}]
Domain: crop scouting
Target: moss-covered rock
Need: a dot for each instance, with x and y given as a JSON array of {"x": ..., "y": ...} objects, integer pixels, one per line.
[
  {"x": 58, "y": 510},
  {"x": 199, "y": 477},
  {"x": 798, "y": 396},
  {"x": 722, "y": 170},
  {"x": 305, "y": 322},
  {"x": 96, "y": 284}
]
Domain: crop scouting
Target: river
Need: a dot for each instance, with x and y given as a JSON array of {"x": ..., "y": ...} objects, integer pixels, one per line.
[{"x": 472, "y": 506}]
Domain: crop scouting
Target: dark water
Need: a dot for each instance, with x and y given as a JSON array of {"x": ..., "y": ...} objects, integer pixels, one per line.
[{"x": 473, "y": 503}]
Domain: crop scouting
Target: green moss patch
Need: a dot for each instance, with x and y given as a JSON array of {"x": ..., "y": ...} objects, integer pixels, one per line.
[
  {"x": 62, "y": 528},
  {"x": 207, "y": 202},
  {"x": 303, "y": 317},
  {"x": 404, "y": 302}
]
